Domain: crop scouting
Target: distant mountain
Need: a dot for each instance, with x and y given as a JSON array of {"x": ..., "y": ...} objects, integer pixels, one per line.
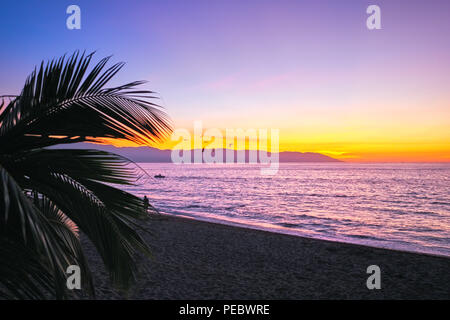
[
  {"x": 148, "y": 154},
  {"x": 289, "y": 156}
]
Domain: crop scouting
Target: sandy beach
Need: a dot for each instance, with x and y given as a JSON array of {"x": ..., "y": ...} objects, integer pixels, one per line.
[{"x": 202, "y": 260}]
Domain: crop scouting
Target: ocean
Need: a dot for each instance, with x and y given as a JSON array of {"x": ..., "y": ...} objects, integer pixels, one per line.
[{"x": 396, "y": 206}]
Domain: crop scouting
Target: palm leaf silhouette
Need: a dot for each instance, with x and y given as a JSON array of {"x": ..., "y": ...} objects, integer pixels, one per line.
[{"x": 47, "y": 195}]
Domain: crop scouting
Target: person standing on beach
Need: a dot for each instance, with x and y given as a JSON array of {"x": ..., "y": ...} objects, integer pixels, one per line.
[{"x": 146, "y": 204}]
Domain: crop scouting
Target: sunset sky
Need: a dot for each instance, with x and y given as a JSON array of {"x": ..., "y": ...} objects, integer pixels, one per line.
[{"x": 309, "y": 68}]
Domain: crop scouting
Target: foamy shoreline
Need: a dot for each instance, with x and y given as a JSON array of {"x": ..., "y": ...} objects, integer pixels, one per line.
[{"x": 293, "y": 232}]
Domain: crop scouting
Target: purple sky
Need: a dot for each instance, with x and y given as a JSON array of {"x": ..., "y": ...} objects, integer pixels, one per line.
[{"x": 310, "y": 68}]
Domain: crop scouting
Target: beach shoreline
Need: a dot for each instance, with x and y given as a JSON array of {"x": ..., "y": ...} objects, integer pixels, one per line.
[
  {"x": 296, "y": 233},
  {"x": 205, "y": 260}
]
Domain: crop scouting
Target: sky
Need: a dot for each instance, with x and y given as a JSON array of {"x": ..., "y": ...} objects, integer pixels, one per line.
[{"x": 311, "y": 69}]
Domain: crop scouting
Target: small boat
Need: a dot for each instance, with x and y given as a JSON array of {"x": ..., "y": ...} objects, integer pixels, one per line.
[{"x": 159, "y": 176}]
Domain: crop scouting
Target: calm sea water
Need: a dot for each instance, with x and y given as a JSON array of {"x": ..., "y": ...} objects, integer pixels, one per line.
[{"x": 399, "y": 206}]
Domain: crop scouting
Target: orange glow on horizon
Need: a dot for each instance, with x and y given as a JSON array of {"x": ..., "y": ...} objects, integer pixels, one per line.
[{"x": 345, "y": 151}]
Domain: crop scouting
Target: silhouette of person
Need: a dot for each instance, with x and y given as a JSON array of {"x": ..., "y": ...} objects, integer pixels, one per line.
[{"x": 146, "y": 204}]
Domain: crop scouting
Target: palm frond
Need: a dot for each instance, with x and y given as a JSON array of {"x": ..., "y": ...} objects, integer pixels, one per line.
[
  {"x": 48, "y": 196},
  {"x": 24, "y": 225},
  {"x": 24, "y": 276},
  {"x": 62, "y": 102},
  {"x": 103, "y": 212}
]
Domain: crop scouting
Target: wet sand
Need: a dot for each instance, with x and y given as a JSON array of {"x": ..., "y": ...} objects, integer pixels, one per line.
[{"x": 202, "y": 260}]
